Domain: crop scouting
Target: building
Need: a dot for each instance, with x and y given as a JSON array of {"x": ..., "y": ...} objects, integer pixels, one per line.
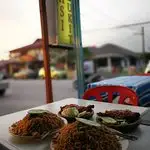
[
  {"x": 28, "y": 53},
  {"x": 27, "y": 56},
  {"x": 110, "y": 56},
  {"x": 106, "y": 57},
  {"x": 31, "y": 56}
]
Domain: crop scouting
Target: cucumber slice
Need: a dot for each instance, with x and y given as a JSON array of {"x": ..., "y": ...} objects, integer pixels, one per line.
[
  {"x": 37, "y": 111},
  {"x": 108, "y": 120}
]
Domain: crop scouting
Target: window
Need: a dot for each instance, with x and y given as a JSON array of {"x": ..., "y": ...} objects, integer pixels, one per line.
[{"x": 102, "y": 62}]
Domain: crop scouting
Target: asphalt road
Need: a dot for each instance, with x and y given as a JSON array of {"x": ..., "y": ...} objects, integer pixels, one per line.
[{"x": 25, "y": 94}]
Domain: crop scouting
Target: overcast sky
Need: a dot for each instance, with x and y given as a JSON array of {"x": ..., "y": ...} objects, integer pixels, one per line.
[{"x": 20, "y": 23}]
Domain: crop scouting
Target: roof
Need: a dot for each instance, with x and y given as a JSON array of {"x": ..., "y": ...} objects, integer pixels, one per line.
[
  {"x": 111, "y": 50},
  {"x": 36, "y": 44}
]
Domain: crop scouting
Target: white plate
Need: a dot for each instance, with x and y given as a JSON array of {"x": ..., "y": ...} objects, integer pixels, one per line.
[{"x": 124, "y": 144}]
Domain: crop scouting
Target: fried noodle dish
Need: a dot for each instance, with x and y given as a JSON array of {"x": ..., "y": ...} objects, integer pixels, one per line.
[
  {"x": 78, "y": 136},
  {"x": 36, "y": 125}
]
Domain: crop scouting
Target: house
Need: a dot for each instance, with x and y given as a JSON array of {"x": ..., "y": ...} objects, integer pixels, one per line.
[
  {"x": 30, "y": 55},
  {"x": 109, "y": 56}
]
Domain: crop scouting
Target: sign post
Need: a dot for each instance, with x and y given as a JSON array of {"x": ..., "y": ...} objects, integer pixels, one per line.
[
  {"x": 46, "y": 55},
  {"x": 78, "y": 47},
  {"x": 60, "y": 20}
]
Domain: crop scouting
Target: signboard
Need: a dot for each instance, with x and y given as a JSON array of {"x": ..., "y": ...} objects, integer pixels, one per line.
[
  {"x": 65, "y": 23},
  {"x": 60, "y": 22}
]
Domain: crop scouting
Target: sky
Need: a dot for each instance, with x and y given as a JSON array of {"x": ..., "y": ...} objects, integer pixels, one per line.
[{"x": 20, "y": 23}]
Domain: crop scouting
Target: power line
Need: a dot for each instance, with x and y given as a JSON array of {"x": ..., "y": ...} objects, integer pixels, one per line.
[
  {"x": 117, "y": 27},
  {"x": 133, "y": 24},
  {"x": 126, "y": 26},
  {"x": 142, "y": 33}
]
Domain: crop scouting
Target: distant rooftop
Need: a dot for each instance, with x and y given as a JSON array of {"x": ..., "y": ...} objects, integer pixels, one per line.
[
  {"x": 36, "y": 44},
  {"x": 105, "y": 50},
  {"x": 111, "y": 50}
]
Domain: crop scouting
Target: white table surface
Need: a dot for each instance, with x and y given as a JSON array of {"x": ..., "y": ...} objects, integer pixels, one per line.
[{"x": 8, "y": 120}]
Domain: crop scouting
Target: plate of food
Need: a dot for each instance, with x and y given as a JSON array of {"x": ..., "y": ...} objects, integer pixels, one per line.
[
  {"x": 37, "y": 124},
  {"x": 122, "y": 120},
  {"x": 70, "y": 112},
  {"x": 82, "y": 135}
]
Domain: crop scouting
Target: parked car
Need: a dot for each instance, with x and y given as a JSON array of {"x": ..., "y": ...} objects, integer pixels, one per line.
[
  {"x": 55, "y": 73},
  {"x": 25, "y": 74},
  {"x": 4, "y": 84},
  {"x": 3, "y": 75}
]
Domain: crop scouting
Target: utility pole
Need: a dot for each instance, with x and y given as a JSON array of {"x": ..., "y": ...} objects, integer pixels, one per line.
[
  {"x": 142, "y": 33},
  {"x": 143, "y": 44}
]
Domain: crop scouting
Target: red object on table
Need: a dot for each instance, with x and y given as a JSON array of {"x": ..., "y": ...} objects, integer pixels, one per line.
[
  {"x": 127, "y": 96},
  {"x": 144, "y": 74}
]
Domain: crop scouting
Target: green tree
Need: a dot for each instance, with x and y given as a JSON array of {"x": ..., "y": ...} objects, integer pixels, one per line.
[{"x": 69, "y": 57}]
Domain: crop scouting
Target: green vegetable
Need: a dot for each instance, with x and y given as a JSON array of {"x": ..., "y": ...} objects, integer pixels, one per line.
[
  {"x": 70, "y": 112},
  {"x": 37, "y": 111},
  {"x": 108, "y": 120}
]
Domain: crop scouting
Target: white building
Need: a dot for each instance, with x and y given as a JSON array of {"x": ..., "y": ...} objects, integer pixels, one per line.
[{"x": 109, "y": 55}]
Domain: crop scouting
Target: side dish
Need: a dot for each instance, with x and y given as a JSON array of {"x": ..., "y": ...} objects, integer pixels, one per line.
[
  {"x": 121, "y": 120},
  {"x": 70, "y": 112},
  {"x": 118, "y": 117}
]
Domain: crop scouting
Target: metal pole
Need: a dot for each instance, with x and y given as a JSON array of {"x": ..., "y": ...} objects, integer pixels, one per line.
[
  {"x": 46, "y": 55},
  {"x": 143, "y": 45},
  {"x": 78, "y": 47}
]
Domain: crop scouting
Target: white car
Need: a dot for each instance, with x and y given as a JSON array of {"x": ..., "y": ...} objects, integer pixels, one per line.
[{"x": 147, "y": 70}]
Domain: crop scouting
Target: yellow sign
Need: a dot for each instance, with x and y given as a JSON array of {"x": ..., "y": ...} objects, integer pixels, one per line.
[{"x": 65, "y": 22}]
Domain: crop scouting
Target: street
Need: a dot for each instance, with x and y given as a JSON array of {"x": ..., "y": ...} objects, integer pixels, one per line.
[{"x": 25, "y": 94}]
